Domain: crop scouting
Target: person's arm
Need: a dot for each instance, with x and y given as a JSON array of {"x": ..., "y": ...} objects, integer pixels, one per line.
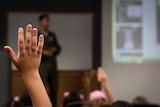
[
  {"x": 27, "y": 61},
  {"x": 102, "y": 78},
  {"x": 54, "y": 51},
  {"x": 48, "y": 53}
]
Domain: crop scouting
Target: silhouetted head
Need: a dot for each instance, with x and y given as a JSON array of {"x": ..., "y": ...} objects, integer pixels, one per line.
[
  {"x": 140, "y": 100},
  {"x": 121, "y": 104},
  {"x": 44, "y": 21},
  {"x": 12, "y": 104},
  {"x": 17, "y": 104},
  {"x": 72, "y": 99}
]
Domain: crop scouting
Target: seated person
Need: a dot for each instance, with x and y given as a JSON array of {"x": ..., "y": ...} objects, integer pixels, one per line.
[
  {"x": 16, "y": 102},
  {"x": 99, "y": 98},
  {"x": 121, "y": 104},
  {"x": 24, "y": 98},
  {"x": 140, "y": 100},
  {"x": 72, "y": 99}
]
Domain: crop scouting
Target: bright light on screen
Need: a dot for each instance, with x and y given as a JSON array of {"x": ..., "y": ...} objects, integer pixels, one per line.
[{"x": 135, "y": 31}]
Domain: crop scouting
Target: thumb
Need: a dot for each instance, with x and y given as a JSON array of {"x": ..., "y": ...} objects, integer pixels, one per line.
[{"x": 11, "y": 53}]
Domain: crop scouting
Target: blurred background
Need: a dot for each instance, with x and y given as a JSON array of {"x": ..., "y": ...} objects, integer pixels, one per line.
[{"x": 122, "y": 36}]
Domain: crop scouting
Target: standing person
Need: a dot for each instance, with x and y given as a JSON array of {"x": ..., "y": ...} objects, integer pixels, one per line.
[{"x": 48, "y": 66}]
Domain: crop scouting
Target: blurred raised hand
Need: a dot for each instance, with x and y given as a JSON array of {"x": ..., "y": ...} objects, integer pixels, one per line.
[
  {"x": 101, "y": 75},
  {"x": 103, "y": 79}
]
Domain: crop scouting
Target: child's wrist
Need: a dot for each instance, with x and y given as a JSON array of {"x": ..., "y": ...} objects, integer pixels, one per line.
[{"x": 29, "y": 73}]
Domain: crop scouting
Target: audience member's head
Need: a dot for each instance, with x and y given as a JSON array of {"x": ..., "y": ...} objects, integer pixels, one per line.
[
  {"x": 25, "y": 98},
  {"x": 17, "y": 104},
  {"x": 19, "y": 101},
  {"x": 12, "y": 104},
  {"x": 140, "y": 100},
  {"x": 97, "y": 98},
  {"x": 72, "y": 99},
  {"x": 121, "y": 104}
]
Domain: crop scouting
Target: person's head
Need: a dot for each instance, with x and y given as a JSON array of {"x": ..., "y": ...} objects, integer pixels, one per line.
[
  {"x": 17, "y": 104},
  {"x": 44, "y": 21},
  {"x": 121, "y": 104},
  {"x": 25, "y": 98},
  {"x": 140, "y": 100},
  {"x": 97, "y": 98},
  {"x": 98, "y": 102},
  {"x": 97, "y": 94},
  {"x": 72, "y": 99},
  {"x": 12, "y": 104}
]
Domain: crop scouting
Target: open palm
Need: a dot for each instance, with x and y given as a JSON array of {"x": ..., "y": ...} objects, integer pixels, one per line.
[{"x": 29, "y": 53}]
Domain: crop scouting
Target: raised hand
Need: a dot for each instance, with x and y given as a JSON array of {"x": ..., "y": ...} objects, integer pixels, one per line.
[
  {"x": 101, "y": 75},
  {"x": 27, "y": 61},
  {"x": 29, "y": 53},
  {"x": 103, "y": 79}
]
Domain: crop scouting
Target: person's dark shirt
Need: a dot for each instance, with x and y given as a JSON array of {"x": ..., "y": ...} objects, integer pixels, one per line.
[{"x": 50, "y": 41}]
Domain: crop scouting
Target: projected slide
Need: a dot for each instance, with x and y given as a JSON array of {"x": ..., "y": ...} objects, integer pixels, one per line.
[{"x": 135, "y": 31}]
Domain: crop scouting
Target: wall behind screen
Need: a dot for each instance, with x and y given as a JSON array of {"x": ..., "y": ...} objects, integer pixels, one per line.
[
  {"x": 127, "y": 80},
  {"x": 74, "y": 33}
]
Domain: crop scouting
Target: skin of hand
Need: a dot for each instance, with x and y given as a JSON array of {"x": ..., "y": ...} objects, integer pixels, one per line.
[
  {"x": 49, "y": 52},
  {"x": 103, "y": 79},
  {"x": 29, "y": 54},
  {"x": 102, "y": 76},
  {"x": 27, "y": 61}
]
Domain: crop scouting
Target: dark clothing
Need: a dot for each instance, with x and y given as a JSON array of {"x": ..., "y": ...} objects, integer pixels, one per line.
[
  {"x": 48, "y": 67},
  {"x": 25, "y": 99},
  {"x": 50, "y": 41}
]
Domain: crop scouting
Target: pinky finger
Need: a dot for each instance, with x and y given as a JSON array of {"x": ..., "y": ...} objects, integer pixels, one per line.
[{"x": 40, "y": 45}]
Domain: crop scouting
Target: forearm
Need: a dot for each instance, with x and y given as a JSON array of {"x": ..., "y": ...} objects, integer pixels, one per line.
[
  {"x": 108, "y": 92},
  {"x": 45, "y": 53},
  {"x": 36, "y": 90}
]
